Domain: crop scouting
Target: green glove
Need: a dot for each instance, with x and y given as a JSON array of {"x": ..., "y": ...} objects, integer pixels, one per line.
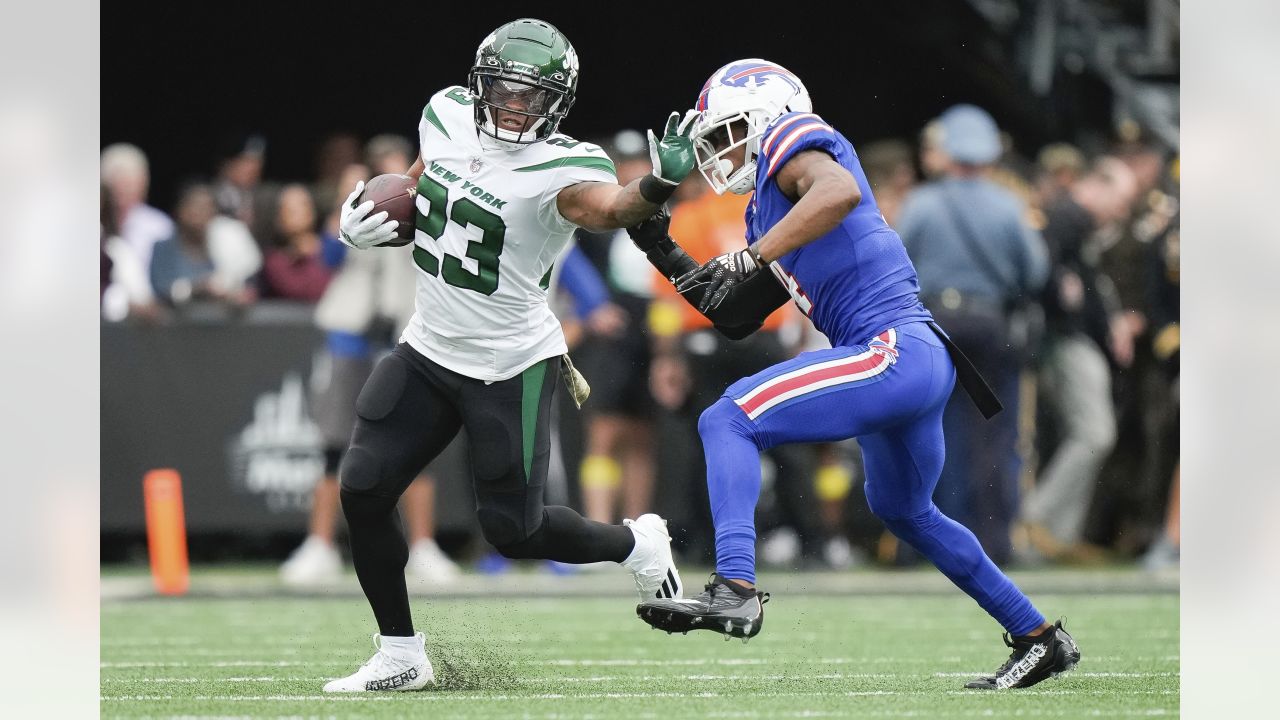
[{"x": 672, "y": 157}]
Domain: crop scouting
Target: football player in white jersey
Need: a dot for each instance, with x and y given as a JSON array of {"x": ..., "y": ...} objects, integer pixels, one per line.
[{"x": 500, "y": 193}]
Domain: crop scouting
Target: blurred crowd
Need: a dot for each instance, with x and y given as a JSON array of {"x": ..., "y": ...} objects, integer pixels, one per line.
[{"x": 1057, "y": 274}]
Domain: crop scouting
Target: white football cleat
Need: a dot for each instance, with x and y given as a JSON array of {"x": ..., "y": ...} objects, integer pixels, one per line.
[
  {"x": 650, "y": 561},
  {"x": 428, "y": 563},
  {"x": 315, "y": 562},
  {"x": 389, "y": 670}
]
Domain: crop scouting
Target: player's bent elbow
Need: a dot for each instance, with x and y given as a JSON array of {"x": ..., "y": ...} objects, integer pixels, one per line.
[{"x": 845, "y": 194}]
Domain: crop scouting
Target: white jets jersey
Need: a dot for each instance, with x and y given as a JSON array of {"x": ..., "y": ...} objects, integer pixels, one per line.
[{"x": 488, "y": 233}]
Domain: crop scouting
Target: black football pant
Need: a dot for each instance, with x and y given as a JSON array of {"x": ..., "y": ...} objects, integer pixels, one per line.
[{"x": 407, "y": 413}]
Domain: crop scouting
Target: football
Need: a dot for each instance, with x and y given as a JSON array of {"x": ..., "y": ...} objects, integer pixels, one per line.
[{"x": 396, "y": 195}]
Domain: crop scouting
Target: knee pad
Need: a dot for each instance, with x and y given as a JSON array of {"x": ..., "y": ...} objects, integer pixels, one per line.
[
  {"x": 501, "y": 529},
  {"x": 361, "y": 471},
  {"x": 382, "y": 392},
  {"x": 364, "y": 508}
]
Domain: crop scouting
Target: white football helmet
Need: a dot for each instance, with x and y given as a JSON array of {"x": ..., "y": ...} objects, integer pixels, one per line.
[{"x": 755, "y": 91}]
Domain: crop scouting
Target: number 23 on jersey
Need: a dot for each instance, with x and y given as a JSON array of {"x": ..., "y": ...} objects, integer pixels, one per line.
[{"x": 485, "y": 251}]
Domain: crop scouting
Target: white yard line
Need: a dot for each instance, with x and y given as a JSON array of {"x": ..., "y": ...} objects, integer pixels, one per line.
[
  {"x": 1075, "y": 673},
  {"x": 543, "y": 679},
  {"x": 618, "y": 662},
  {"x": 883, "y": 712},
  {"x": 801, "y": 713},
  {"x": 218, "y": 664},
  {"x": 650, "y": 678},
  {"x": 446, "y": 696}
]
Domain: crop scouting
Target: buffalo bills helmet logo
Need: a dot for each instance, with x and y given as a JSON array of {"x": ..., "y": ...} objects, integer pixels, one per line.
[{"x": 748, "y": 75}]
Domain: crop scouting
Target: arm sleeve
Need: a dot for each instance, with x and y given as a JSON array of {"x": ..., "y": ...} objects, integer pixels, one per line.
[
  {"x": 791, "y": 134},
  {"x": 579, "y": 278},
  {"x": 746, "y": 306}
]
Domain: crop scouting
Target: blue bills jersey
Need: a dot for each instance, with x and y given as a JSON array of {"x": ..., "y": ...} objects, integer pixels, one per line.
[{"x": 854, "y": 282}]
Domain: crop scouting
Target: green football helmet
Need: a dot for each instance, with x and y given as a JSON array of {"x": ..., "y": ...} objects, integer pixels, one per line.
[{"x": 524, "y": 81}]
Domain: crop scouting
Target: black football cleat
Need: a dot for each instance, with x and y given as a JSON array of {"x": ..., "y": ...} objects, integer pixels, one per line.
[
  {"x": 1034, "y": 659},
  {"x": 723, "y": 607}
]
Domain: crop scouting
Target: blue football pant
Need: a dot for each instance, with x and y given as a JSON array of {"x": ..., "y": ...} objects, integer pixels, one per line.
[{"x": 890, "y": 394}]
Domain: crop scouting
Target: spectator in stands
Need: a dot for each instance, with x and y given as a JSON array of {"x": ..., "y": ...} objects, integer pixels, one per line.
[
  {"x": 239, "y": 177},
  {"x": 125, "y": 287},
  {"x": 209, "y": 257},
  {"x": 1164, "y": 283},
  {"x": 127, "y": 176},
  {"x": 1083, "y": 319},
  {"x": 338, "y": 152},
  {"x": 933, "y": 157},
  {"x": 1059, "y": 166},
  {"x": 388, "y": 154},
  {"x": 1133, "y": 483},
  {"x": 108, "y": 229},
  {"x": 891, "y": 173},
  {"x": 295, "y": 268},
  {"x": 978, "y": 260}
]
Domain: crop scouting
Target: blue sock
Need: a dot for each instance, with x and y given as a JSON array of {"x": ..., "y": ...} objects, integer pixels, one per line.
[{"x": 733, "y": 486}]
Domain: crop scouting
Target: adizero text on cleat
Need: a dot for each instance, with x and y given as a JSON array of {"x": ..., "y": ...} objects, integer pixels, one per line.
[
  {"x": 1033, "y": 659},
  {"x": 389, "y": 671},
  {"x": 723, "y": 607}
]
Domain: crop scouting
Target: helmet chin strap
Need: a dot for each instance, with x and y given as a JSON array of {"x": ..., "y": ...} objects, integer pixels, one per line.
[{"x": 746, "y": 183}]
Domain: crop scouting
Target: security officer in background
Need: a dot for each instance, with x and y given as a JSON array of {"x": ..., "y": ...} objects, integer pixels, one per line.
[{"x": 980, "y": 265}]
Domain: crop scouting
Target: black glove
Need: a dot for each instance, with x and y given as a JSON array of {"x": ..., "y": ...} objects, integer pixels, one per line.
[
  {"x": 720, "y": 274},
  {"x": 648, "y": 233}
]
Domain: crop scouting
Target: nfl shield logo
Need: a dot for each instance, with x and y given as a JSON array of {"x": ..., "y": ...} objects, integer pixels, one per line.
[{"x": 475, "y": 164}]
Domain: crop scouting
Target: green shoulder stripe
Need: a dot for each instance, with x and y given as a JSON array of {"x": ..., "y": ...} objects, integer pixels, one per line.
[
  {"x": 595, "y": 163},
  {"x": 430, "y": 114}
]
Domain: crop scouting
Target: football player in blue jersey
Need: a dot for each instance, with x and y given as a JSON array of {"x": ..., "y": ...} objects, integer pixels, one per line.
[{"x": 815, "y": 235}]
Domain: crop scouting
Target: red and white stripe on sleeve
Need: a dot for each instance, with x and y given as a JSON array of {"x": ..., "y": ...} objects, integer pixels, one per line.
[{"x": 784, "y": 136}]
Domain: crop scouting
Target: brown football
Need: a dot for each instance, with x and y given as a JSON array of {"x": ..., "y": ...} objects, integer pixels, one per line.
[{"x": 396, "y": 195}]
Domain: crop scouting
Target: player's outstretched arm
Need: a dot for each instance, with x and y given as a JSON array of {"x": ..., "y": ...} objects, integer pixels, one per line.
[
  {"x": 598, "y": 206},
  {"x": 744, "y": 308}
]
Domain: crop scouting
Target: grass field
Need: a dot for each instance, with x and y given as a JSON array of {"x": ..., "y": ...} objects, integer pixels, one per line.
[{"x": 857, "y": 656}]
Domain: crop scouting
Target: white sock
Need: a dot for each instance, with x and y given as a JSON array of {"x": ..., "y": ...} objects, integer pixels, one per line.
[
  {"x": 403, "y": 647},
  {"x": 637, "y": 552}
]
